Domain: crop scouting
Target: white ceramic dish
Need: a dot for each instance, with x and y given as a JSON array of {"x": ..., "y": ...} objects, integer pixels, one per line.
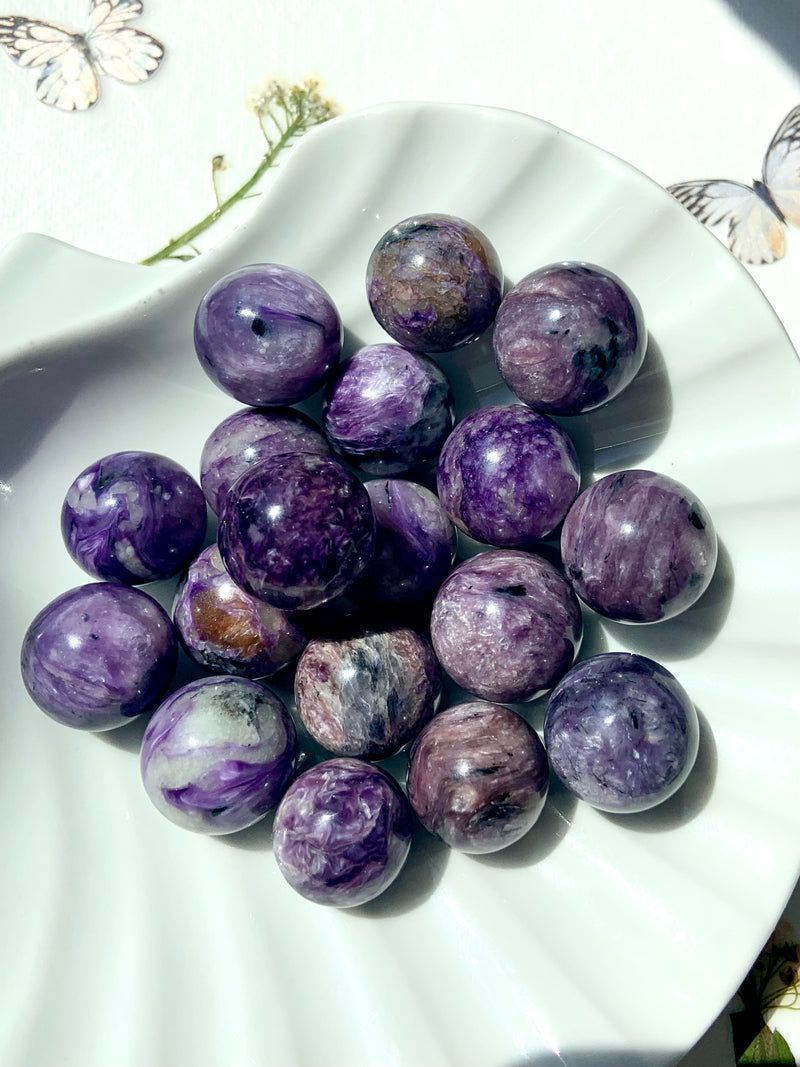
[{"x": 127, "y": 942}]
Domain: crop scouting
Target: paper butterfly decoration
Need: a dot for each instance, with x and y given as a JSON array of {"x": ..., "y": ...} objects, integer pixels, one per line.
[
  {"x": 71, "y": 62},
  {"x": 756, "y": 215}
]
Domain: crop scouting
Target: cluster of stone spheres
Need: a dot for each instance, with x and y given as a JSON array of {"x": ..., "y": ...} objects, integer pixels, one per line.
[{"x": 312, "y": 517}]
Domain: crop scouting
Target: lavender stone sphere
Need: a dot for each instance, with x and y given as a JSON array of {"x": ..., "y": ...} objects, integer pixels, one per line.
[
  {"x": 369, "y": 694},
  {"x": 226, "y": 630},
  {"x": 388, "y": 410},
  {"x": 218, "y": 755},
  {"x": 569, "y": 337},
  {"x": 638, "y": 547},
  {"x": 507, "y": 475},
  {"x": 415, "y": 545},
  {"x": 434, "y": 282},
  {"x": 506, "y": 625},
  {"x": 478, "y": 777},
  {"x": 133, "y": 517},
  {"x": 249, "y": 436},
  {"x": 297, "y": 530},
  {"x": 267, "y": 334},
  {"x": 621, "y": 732},
  {"x": 342, "y": 832},
  {"x": 98, "y": 655}
]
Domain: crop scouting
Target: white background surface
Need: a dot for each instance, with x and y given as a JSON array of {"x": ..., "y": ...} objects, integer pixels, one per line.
[{"x": 682, "y": 89}]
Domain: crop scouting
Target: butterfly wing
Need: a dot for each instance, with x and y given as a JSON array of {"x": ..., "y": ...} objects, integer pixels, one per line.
[
  {"x": 67, "y": 79},
  {"x": 755, "y": 233},
  {"x": 781, "y": 171},
  {"x": 118, "y": 50}
]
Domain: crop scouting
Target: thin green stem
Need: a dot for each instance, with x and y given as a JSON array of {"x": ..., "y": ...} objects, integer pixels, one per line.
[{"x": 296, "y": 126}]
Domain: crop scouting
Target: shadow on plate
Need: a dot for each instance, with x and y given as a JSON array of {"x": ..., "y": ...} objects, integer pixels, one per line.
[
  {"x": 688, "y": 634},
  {"x": 602, "y": 1058}
]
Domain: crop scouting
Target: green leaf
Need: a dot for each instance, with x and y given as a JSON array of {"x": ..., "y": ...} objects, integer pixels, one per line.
[{"x": 769, "y": 1048}]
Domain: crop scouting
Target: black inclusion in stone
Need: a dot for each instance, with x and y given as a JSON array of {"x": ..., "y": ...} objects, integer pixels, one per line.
[
  {"x": 258, "y": 326},
  {"x": 696, "y": 520},
  {"x": 594, "y": 361},
  {"x": 511, "y": 590}
]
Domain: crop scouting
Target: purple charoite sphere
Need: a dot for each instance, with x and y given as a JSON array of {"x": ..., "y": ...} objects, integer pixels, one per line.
[
  {"x": 415, "y": 545},
  {"x": 369, "y": 694},
  {"x": 98, "y": 655},
  {"x": 507, "y": 475},
  {"x": 133, "y": 517},
  {"x": 434, "y": 282},
  {"x": 569, "y": 337},
  {"x": 506, "y": 625},
  {"x": 342, "y": 832},
  {"x": 388, "y": 410},
  {"x": 267, "y": 334},
  {"x": 218, "y": 755},
  {"x": 297, "y": 530},
  {"x": 228, "y": 631},
  {"x": 249, "y": 436},
  {"x": 638, "y": 547},
  {"x": 621, "y": 732},
  {"x": 478, "y": 777}
]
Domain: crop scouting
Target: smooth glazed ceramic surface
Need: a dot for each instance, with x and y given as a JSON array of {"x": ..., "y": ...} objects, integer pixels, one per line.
[{"x": 520, "y": 946}]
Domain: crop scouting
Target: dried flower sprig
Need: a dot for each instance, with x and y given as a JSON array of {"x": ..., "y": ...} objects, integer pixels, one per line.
[{"x": 284, "y": 113}]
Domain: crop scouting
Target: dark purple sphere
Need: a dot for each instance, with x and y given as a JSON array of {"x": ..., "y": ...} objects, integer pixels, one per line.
[
  {"x": 434, "y": 282},
  {"x": 342, "y": 832},
  {"x": 478, "y": 777},
  {"x": 133, "y": 517},
  {"x": 228, "y": 631},
  {"x": 367, "y": 695},
  {"x": 267, "y": 334},
  {"x": 621, "y": 732},
  {"x": 249, "y": 436},
  {"x": 415, "y": 545},
  {"x": 297, "y": 530},
  {"x": 98, "y": 655},
  {"x": 638, "y": 547},
  {"x": 218, "y": 755},
  {"x": 388, "y": 410},
  {"x": 569, "y": 337},
  {"x": 506, "y": 625},
  {"x": 507, "y": 475}
]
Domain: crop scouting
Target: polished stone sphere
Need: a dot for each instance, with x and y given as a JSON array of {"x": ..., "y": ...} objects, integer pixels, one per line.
[
  {"x": 297, "y": 530},
  {"x": 507, "y": 475},
  {"x": 568, "y": 338},
  {"x": 267, "y": 334},
  {"x": 478, "y": 776},
  {"x": 638, "y": 547},
  {"x": 342, "y": 832},
  {"x": 133, "y": 517},
  {"x": 506, "y": 625},
  {"x": 434, "y": 282},
  {"x": 388, "y": 410},
  {"x": 218, "y": 754},
  {"x": 98, "y": 655},
  {"x": 621, "y": 732}
]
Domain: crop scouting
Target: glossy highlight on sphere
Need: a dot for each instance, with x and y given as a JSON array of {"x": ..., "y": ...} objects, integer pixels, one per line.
[
  {"x": 249, "y": 436},
  {"x": 388, "y": 410},
  {"x": 507, "y": 475},
  {"x": 569, "y": 337},
  {"x": 434, "y": 282},
  {"x": 478, "y": 777},
  {"x": 638, "y": 547},
  {"x": 621, "y": 732},
  {"x": 133, "y": 517},
  {"x": 98, "y": 655},
  {"x": 297, "y": 530},
  {"x": 415, "y": 545},
  {"x": 367, "y": 695},
  {"x": 218, "y": 755},
  {"x": 228, "y": 631},
  {"x": 342, "y": 832},
  {"x": 506, "y": 625},
  {"x": 267, "y": 334}
]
